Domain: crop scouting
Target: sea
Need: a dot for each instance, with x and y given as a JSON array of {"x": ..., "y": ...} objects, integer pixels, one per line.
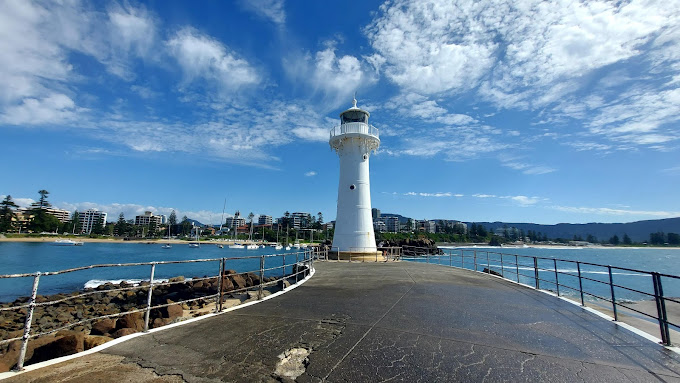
[
  {"x": 26, "y": 257},
  {"x": 629, "y": 285}
]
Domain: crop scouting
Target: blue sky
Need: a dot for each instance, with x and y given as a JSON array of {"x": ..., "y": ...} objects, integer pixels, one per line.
[{"x": 521, "y": 111}]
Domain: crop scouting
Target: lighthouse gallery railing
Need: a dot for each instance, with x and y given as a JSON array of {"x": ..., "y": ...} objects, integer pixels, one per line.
[{"x": 355, "y": 127}]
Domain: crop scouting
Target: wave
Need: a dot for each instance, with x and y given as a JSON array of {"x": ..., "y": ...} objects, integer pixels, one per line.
[{"x": 94, "y": 283}]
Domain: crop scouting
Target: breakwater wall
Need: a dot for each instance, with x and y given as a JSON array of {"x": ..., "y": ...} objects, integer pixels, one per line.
[{"x": 39, "y": 328}]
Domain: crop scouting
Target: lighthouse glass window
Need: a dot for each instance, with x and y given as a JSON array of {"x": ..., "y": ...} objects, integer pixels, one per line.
[{"x": 354, "y": 117}]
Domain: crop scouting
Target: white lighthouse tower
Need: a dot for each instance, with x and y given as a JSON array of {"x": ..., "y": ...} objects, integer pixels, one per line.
[{"x": 354, "y": 140}]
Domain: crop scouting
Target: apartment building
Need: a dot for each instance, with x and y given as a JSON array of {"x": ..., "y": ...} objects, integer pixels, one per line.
[{"x": 89, "y": 218}]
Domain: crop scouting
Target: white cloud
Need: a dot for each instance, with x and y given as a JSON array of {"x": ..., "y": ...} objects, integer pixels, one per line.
[
  {"x": 335, "y": 77},
  {"x": 203, "y": 58},
  {"x": 484, "y": 195},
  {"x": 618, "y": 212},
  {"x": 268, "y": 9},
  {"x": 523, "y": 200},
  {"x": 310, "y": 174},
  {"x": 439, "y": 194},
  {"x": 53, "y": 109},
  {"x": 516, "y": 163}
]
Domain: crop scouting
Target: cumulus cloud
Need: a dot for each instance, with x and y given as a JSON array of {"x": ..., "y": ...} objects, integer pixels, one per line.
[
  {"x": 334, "y": 77},
  {"x": 203, "y": 58}
]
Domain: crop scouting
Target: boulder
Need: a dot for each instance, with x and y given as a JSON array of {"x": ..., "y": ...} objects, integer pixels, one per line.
[
  {"x": 92, "y": 341},
  {"x": 123, "y": 332},
  {"x": 103, "y": 327},
  {"x": 173, "y": 311},
  {"x": 176, "y": 279},
  {"x": 133, "y": 321},
  {"x": 60, "y": 346},
  {"x": 238, "y": 281}
]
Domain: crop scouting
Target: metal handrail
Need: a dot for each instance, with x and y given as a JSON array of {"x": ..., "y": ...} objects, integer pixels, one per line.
[
  {"x": 302, "y": 258},
  {"x": 483, "y": 258}
]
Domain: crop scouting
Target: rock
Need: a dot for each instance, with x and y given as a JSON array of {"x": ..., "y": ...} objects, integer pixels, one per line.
[
  {"x": 160, "y": 322},
  {"x": 173, "y": 311},
  {"x": 238, "y": 281},
  {"x": 133, "y": 321},
  {"x": 103, "y": 327},
  {"x": 176, "y": 279},
  {"x": 92, "y": 341},
  {"x": 61, "y": 346},
  {"x": 123, "y": 332}
]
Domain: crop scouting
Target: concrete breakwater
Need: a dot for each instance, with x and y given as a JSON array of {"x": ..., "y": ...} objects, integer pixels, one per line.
[{"x": 181, "y": 299}]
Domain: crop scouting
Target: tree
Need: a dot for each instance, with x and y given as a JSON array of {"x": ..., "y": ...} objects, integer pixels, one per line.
[
  {"x": 673, "y": 239},
  {"x": 658, "y": 238},
  {"x": 626, "y": 240},
  {"x": 591, "y": 238},
  {"x": 76, "y": 227},
  {"x": 319, "y": 218},
  {"x": 121, "y": 225},
  {"x": 186, "y": 225},
  {"x": 7, "y": 214},
  {"x": 99, "y": 226},
  {"x": 172, "y": 221},
  {"x": 614, "y": 240}
]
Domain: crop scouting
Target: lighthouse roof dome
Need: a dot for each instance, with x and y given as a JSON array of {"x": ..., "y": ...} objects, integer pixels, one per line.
[{"x": 354, "y": 114}]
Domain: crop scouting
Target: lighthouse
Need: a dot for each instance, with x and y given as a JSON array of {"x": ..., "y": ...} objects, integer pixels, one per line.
[{"x": 354, "y": 141}]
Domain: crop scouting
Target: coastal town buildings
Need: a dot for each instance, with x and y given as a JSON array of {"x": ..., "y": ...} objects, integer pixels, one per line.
[
  {"x": 89, "y": 218},
  {"x": 264, "y": 220},
  {"x": 235, "y": 221},
  {"x": 148, "y": 218},
  {"x": 392, "y": 224}
]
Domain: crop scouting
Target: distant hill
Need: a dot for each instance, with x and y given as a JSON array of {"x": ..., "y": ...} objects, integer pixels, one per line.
[{"x": 637, "y": 231}]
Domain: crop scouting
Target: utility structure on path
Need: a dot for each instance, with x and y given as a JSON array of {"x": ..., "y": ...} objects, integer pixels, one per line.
[{"x": 354, "y": 140}]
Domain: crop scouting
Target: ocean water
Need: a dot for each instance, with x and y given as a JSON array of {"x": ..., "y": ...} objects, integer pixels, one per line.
[
  {"x": 595, "y": 279},
  {"x": 22, "y": 257}
]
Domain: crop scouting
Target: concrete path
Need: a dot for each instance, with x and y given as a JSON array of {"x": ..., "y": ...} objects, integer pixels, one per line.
[{"x": 367, "y": 322}]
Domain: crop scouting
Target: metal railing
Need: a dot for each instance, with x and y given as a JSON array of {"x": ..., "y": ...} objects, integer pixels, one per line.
[
  {"x": 549, "y": 274},
  {"x": 362, "y": 254},
  {"x": 355, "y": 127},
  {"x": 300, "y": 263}
]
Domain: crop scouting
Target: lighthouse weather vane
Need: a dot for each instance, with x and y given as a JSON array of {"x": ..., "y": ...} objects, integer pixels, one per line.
[{"x": 354, "y": 141}]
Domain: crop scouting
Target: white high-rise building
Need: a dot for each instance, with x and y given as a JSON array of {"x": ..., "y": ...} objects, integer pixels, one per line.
[
  {"x": 89, "y": 218},
  {"x": 354, "y": 140}
]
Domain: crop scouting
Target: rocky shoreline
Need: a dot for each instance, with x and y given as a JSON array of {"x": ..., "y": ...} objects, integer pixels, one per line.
[{"x": 109, "y": 299}]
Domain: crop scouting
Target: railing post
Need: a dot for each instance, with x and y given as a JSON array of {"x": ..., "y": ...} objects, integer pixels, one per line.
[
  {"x": 259, "y": 291},
  {"x": 502, "y": 271},
  {"x": 221, "y": 292},
  {"x": 475, "y": 258},
  {"x": 27, "y": 323},
  {"x": 580, "y": 282},
  {"x": 450, "y": 257},
  {"x": 462, "y": 259},
  {"x": 661, "y": 310},
  {"x": 611, "y": 286},
  {"x": 557, "y": 281},
  {"x": 148, "y": 298},
  {"x": 488, "y": 263},
  {"x": 517, "y": 267},
  {"x": 297, "y": 268},
  {"x": 536, "y": 273}
]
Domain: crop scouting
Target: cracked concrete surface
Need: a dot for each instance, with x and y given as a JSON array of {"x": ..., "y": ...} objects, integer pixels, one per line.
[{"x": 367, "y": 322}]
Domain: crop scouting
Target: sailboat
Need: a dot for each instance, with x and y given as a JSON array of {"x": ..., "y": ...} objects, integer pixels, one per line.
[
  {"x": 287, "y": 242},
  {"x": 251, "y": 246},
  {"x": 167, "y": 245},
  {"x": 196, "y": 244},
  {"x": 278, "y": 245}
]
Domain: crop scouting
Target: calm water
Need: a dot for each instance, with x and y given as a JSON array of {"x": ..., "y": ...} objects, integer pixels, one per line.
[
  {"x": 31, "y": 257},
  {"x": 662, "y": 260}
]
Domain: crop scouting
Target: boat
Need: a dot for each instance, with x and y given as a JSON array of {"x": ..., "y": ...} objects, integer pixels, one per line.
[
  {"x": 194, "y": 245},
  {"x": 287, "y": 247},
  {"x": 166, "y": 246},
  {"x": 252, "y": 247},
  {"x": 197, "y": 244},
  {"x": 278, "y": 247},
  {"x": 220, "y": 246},
  {"x": 236, "y": 246},
  {"x": 67, "y": 242}
]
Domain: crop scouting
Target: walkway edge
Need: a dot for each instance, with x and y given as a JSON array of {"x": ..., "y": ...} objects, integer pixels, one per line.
[{"x": 36, "y": 366}]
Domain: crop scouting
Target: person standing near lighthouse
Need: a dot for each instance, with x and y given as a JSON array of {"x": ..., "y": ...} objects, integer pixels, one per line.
[{"x": 354, "y": 141}]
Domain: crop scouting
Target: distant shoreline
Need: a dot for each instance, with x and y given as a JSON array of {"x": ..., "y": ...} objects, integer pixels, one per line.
[{"x": 112, "y": 240}]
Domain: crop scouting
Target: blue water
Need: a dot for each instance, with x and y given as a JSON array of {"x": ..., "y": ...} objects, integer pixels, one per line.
[
  {"x": 16, "y": 258},
  {"x": 594, "y": 279}
]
